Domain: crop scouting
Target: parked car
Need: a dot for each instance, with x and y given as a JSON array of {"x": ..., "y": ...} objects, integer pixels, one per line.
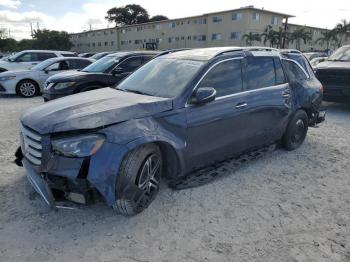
[
  {"x": 29, "y": 58},
  {"x": 29, "y": 83},
  {"x": 313, "y": 55},
  {"x": 178, "y": 113},
  {"x": 334, "y": 74},
  {"x": 107, "y": 71},
  {"x": 86, "y": 55},
  {"x": 100, "y": 55}
]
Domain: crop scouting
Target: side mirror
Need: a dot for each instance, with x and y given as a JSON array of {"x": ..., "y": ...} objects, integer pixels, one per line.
[{"x": 203, "y": 95}]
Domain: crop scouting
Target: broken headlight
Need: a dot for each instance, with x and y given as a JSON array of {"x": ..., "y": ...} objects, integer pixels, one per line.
[{"x": 78, "y": 146}]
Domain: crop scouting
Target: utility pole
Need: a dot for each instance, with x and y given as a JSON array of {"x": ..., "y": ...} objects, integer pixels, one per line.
[
  {"x": 37, "y": 25},
  {"x": 285, "y": 32}
]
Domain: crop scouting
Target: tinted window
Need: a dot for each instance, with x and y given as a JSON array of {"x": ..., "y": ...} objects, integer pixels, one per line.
[
  {"x": 163, "y": 77},
  {"x": 130, "y": 64},
  {"x": 147, "y": 58},
  {"x": 260, "y": 73},
  {"x": 68, "y": 55},
  {"x": 280, "y": 78},
  {"x": 78, "y": 64},
  {"x": 293, "y": 71},
  {"x": 44, "y": 56},
  {"x": 28, "y": 57},
  {"x": 225, "y": 77}
]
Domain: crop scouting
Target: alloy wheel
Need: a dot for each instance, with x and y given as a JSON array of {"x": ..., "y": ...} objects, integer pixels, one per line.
[
  {"x": 27, "y": 89},
  {"x": 299, "y": 132},
  {"x": 149, "y": 177}
]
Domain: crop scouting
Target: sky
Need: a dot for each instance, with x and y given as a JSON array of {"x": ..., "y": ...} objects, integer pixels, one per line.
[{"x": 77, "y": 15}]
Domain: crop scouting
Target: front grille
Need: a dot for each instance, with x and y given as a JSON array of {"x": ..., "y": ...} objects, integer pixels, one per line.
[
  {"x": 339, "y": 77},
  {"x": 31, "y": 145}
]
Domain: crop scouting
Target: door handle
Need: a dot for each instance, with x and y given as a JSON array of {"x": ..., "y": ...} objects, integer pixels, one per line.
[{"x": 241, "y": 105}]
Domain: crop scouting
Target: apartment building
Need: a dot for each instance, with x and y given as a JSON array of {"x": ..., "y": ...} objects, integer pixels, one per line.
[{"x": 225, "y": 28}]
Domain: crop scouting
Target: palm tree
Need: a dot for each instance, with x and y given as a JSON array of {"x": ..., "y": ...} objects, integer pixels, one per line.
[
  {"x": 300, "y": 35},
  {"x": 327, "y": 37},
  {"x": 342, "y": 31},
  {"x": 250, "y": 38},
  {"x": 275, "y": 38}
]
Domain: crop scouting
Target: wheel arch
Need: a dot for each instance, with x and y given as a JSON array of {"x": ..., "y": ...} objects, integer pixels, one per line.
[
  {"x": 173, "y": 160},
  {"x": 27, "y": 79}
]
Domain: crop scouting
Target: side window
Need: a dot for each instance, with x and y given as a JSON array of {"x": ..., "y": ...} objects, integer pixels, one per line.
[
  {"x": 293, "y": 71},
  {"x": 147, "y": 58},
  {"x": 44, "y": 56},
  {"x": 78, "y": 64},
  {"x": 53, "y": 67},
  {"x": 225, "y": 77},
  {"x": 130, "y": 64},
  {"x": 280, "y": 77},
  {"x": 28, "y": 57},
  {"x": 260, "y": 72}
]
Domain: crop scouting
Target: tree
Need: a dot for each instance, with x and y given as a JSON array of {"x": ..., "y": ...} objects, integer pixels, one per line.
[
  {"x": 275, "y": 38},
  {"x": 127, "y": 15},
  {"x": 47, "y": 39},
  {"x": 342, "y": 31},
  {"x": 158, "y": 18},
  {"x": 327, "y": 37},
  {"x": 299, "y": 35},
  {"x": 250, "y": 38}
]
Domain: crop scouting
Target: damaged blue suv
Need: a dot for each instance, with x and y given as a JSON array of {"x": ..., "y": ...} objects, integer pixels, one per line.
[{"x": 178, "y": 113}]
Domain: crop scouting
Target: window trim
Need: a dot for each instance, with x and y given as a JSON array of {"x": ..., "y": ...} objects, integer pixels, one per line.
[{"x": 205, "y": 74}]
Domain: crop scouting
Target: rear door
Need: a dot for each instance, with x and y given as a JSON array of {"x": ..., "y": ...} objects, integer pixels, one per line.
[{"x": 268, "y": 100}]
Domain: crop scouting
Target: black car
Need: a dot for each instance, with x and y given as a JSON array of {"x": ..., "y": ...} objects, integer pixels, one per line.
[
  {"x": 178, "y": 113},
  {"x": 106, "y": 72},
  {"x": 100, "y": 55},
  {"x": 334, "y": 74},
  {"x": 86, "y": 55}
]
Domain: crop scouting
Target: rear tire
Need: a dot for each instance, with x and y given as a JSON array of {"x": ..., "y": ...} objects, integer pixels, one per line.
[
  {"x": 296, "y": 131},
  {"x": 27, "y": 88},
  {"x": 138, "y": 180}
]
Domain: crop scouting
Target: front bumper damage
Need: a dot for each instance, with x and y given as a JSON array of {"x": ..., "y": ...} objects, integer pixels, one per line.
[
  {"x": 318, "y": 117},
  {"x": 79, "y": 180}
]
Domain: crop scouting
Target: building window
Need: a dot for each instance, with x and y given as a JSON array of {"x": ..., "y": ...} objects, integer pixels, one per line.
[
  {"x": 202, "y": 38},
  {"x": 106, "y": 43},
  {"x": 112, "y": 32},
  {"x": 158, "y": 27},
  {"x": 182, "y": 38},
  {"x": 237, "y": 16},
  {"x": 99, "y": 44},
  {"x": 112, "y": 43},
  {"x": 139, "y": 28},
  {"x": 105, "y": 32},
  {"x": 216, "y": 37},
  {"x": 236, "y": 35},
  {"x": 195, "y": 21},
  {"x": 172, "y": 25},
  {"x": 256, "y": 16},
  {"x": 189, "y": 38},
  {"x": 274, "y": 20},
  {"x": 217, "y": 19},
  {"x": 171, "y": 39},
  {"x": 123, "y": 31},
  {"x": 93, "y": 44}
]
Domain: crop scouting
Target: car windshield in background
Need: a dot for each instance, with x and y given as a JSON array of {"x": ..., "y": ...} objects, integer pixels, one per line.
[
  {"x": 102, "y": 65},
  {"x": 342, "y": 54},
  {"x": 161, "y": 77},
  {"x": 98, "y": 56}
]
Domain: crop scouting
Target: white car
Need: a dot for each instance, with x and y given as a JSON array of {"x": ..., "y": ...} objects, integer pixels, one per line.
[
  {"x": 29, "y": 83},
  {"x": 29, "y": 58}
]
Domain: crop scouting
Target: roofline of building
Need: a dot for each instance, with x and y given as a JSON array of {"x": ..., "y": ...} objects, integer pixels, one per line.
[
  {"x": 307, "y": 26},
  {"x": 188, "y": 17}
]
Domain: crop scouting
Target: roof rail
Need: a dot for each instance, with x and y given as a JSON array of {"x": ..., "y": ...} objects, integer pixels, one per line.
[
  {"x": 246, "y": 49},
  {"x": 170, "y": 51}
]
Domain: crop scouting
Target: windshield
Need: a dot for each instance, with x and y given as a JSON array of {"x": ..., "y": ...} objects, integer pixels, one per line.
[
  {"x": 14, "y": 56},
  {"x": 44, "y": 64},
  {"x": 102, "y": 65},
  {"x": 98, "y": 56},
  {"x": 342, "y": 54},
  {"x": 162, "y": 77}
]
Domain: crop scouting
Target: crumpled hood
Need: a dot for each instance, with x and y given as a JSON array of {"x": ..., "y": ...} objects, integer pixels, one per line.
[
  {"x": 70, "y": 76},
  {"x": 92, "y": 109},
  {"x": 333, "y": 64}
]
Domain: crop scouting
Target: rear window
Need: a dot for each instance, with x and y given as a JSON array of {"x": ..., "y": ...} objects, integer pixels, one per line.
[
  {"x": 301, "y": 60},
  {"x": 69, "y": 55},
  {"x": 260, "y": 73},
  {"x": 293, "y": 71}
]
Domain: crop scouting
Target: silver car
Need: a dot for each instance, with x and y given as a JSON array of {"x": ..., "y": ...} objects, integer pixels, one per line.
[{"x": 29, "y": 83}]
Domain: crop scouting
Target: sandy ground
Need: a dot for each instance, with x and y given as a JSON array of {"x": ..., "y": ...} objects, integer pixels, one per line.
[{"x": 287, "y": 206}]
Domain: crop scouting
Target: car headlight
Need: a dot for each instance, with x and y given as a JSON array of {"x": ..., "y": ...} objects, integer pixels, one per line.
[
  {"x": 59, "y": 86},
  {"x": 6, "y": 78},
  {"x": 78, "y": 146}
]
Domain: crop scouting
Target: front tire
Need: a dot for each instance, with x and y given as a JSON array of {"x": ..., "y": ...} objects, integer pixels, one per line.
[
  {"x": 27, "y": 88},
  {"x": 296, "y": 131},
  {"x": 138, "y": 180}
]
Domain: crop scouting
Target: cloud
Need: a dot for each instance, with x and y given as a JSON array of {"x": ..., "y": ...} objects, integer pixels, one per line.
[{"x": 10, "y": 3}]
